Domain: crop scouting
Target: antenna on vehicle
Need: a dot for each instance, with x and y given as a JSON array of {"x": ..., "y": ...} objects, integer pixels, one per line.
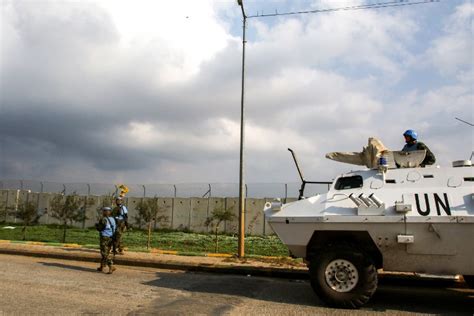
[
  {"x": 297, "y": 165},
  {"x": 465, "y": 122},
  {"x": 303, "y": 181}
]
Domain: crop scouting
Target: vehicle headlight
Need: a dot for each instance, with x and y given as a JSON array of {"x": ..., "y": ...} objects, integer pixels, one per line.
[{"x": 274, "y": 205}]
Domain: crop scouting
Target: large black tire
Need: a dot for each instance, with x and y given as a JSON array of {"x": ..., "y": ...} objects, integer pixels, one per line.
[
  {"x": 469, "y": 279},
  {"x": 339, "y": 289}
]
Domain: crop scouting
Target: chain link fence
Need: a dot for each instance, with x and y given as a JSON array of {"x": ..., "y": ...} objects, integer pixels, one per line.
[{"x": 183, "y": 190}]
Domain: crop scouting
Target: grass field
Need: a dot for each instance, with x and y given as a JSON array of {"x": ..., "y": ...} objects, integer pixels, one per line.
[{"x": 136, "y": 240}]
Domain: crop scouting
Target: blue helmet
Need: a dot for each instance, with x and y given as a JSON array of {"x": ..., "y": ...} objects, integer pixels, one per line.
[{"x": 411, "y": 133}]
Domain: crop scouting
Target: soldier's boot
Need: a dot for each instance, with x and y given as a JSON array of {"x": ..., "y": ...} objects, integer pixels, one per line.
[
  {"x": 101, "y": 268},
  {"x": 111, "y": 269}
]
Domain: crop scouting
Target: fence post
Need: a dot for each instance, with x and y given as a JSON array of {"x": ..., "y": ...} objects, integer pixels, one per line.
[
  {"x": 190, "y": 219},
  {"x": 208, "y": 205},
  {"x": 286, "y": 191},
  {"x": 172, "y": 210},
  {"x": 6, "y": 207},
  {"x": 17, "y": 198},
  {"x": 38, "y": 199},
  {"x": 225, "y": 209}
]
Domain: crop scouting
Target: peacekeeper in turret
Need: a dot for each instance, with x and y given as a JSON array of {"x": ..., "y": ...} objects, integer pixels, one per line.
[
  {"x": 107, "y": 228},
  {"x": 120, "y": 213},
  {"x": 412, "y": 143}
]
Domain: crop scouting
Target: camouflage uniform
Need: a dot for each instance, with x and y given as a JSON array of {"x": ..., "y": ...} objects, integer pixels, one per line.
[
  {"x": 106, "y": 244},
  {"x": 121, "y": 228},
  {"x": 107, "y": 228},
  {"x": 429, "y": 158}
]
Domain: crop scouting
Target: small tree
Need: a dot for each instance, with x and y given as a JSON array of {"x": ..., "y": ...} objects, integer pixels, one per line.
[
  {"x": 67, "y": 209},
  {"x": 27, "y": 212},
  {"x": 147, "y": 213},
  {"x": 218, "y": 216}
]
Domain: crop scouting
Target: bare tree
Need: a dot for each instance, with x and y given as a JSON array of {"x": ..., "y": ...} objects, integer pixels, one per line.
[{"x": 218, "y": 216}]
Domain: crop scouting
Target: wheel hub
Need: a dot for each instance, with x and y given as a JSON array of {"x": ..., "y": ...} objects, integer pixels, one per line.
[{"x": 341, "y": 275}]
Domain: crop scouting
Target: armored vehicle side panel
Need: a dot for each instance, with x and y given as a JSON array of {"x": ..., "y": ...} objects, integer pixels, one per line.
[{"x": 425, "y": 223}]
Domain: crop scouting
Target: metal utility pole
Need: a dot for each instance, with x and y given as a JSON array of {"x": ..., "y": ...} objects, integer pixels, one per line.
[{"x": 241, "y": 250}]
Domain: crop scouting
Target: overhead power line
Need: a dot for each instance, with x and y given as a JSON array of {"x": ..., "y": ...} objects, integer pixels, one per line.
[{"x": 377, "y": 5}]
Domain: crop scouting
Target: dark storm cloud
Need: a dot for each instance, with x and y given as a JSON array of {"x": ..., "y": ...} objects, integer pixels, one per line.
[{"x": 60, "y": 135}]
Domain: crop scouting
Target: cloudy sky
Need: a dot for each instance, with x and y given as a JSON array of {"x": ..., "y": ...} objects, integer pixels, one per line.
[{"x": 149, "y": 91}]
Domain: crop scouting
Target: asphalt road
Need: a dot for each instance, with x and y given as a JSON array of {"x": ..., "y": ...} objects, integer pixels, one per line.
[{"x": 48, "y": 286}]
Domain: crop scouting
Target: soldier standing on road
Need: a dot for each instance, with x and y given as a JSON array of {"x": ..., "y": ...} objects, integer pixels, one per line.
[
  {"x": 412, "y": 143},
  {"x": 120, "y": 213},
  {"x": 107, "y": 228}
]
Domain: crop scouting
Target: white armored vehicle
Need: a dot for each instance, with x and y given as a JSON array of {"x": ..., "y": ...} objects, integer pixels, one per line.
[{"x": 394, "y": 216}]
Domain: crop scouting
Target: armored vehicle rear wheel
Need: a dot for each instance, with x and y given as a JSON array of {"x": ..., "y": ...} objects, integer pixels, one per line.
[
  {"x": 469, "y": 279},
  {"x": 343, "y": 276}
]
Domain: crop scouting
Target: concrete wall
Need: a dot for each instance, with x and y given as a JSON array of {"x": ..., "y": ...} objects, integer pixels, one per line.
[
  {"x": 173, "y": 213},
  {"x": 165, "y": 213}
]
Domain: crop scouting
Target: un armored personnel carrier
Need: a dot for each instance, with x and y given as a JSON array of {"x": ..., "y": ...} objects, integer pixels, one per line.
[{"x": 393, "y": 216}]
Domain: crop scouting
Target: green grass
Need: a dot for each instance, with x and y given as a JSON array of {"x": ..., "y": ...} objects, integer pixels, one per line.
[{"x": 136, "y": 240}]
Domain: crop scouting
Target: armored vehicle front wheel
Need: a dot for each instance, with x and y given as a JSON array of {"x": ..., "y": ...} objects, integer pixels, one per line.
[
  {"x": 343, "y": 276},
  {"x": 469, "y": 279}
]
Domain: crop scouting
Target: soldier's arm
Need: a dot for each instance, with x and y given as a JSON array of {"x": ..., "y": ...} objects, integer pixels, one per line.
[{"x": 430, "y": 158}]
